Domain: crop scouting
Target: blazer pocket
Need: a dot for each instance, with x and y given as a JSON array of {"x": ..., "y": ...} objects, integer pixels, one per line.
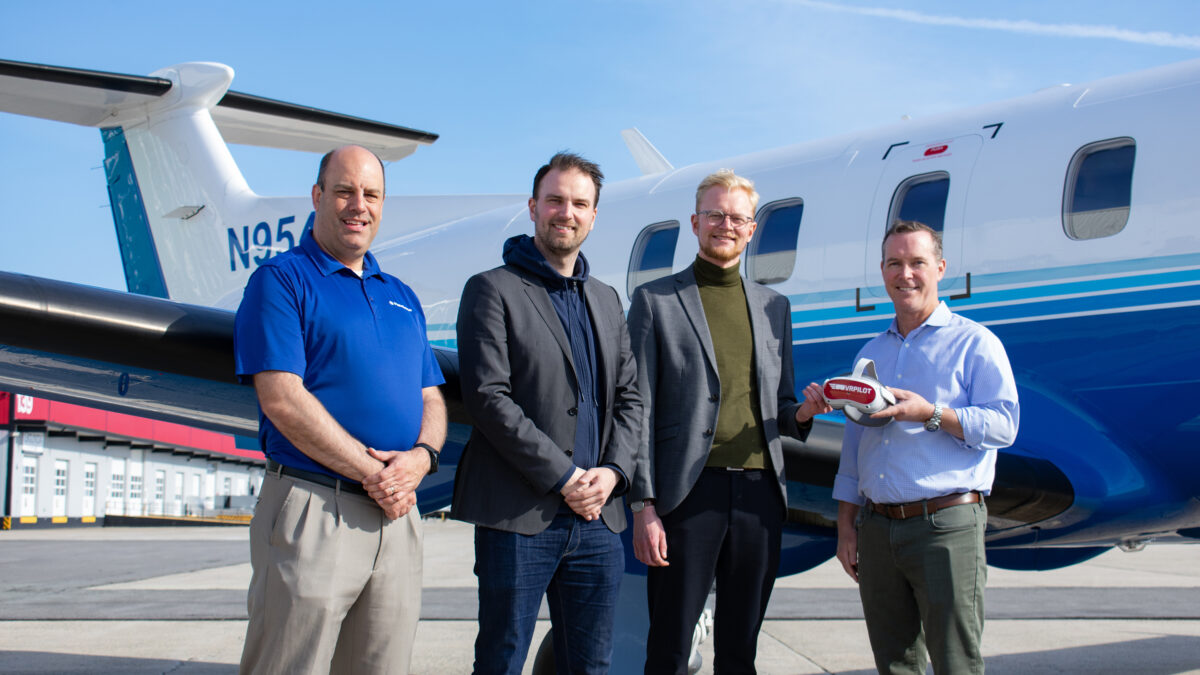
[
  {"x": 666, "y": 432},
  {"x": 773, "y": 356}
]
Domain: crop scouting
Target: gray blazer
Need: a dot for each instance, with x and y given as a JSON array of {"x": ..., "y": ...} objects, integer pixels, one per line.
[
  {"x": 519, "y": 387},
  {"x": 677, "y": 374}
]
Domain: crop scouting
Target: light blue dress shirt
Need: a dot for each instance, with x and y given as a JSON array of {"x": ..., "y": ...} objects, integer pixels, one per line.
[{"x": 950, "y": 360}]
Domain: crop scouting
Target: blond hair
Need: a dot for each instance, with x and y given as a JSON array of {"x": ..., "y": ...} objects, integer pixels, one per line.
[{"x": 729, "y": 180}]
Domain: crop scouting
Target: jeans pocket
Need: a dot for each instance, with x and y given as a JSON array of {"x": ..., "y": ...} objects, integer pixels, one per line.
[
  {"x": 284, "y": 523},
  {"x": 961, "y": 517}
]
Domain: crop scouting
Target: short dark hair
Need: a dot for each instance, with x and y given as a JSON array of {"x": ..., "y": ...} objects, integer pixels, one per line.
[
  {"x": 569, "y": 160},
  {"x": 325, "y": 163},
  {"x": 909, "y": 226}
]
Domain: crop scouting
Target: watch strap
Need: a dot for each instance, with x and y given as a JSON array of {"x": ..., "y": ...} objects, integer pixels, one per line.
[{"x": 434, "y": 456}]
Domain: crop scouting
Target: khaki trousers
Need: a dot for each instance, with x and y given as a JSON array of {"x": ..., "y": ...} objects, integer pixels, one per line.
[{"x": 336, "y": 585}]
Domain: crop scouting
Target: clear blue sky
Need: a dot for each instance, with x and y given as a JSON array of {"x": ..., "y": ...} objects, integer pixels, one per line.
[{"x": 506, "y": 84}]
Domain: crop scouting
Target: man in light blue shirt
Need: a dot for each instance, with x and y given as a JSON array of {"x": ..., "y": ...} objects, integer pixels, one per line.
[{"x": 911, "y": 515}]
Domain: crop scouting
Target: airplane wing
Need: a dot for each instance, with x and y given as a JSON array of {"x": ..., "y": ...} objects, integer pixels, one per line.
[
  {"x": 152, "y": 358},
  {"x": 101, "y": 99},
  {"x": 135, "y": 354}
]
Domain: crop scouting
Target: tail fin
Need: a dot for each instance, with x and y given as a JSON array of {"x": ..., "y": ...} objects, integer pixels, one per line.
[{"x": 188, "y": 225}]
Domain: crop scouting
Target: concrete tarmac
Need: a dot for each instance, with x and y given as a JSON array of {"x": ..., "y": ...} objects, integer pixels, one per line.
[{"x": 173, "y": 600}]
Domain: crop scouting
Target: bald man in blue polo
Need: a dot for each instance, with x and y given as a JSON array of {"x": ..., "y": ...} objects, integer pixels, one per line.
[{"x": 351, "y": 420}]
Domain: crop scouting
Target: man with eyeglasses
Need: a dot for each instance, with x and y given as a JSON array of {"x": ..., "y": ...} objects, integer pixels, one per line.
[{"x": 709, "y": 495}]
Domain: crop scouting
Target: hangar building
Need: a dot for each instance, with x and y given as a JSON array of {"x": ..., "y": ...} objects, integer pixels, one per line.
[{"x": 69, "y": 464}]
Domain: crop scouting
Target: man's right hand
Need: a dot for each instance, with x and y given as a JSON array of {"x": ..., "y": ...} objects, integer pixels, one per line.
[
  {"x": 394, "y": 486},
  {"x": 574, "y": 491},
  {"x": 399, "y": 505},
  {"x": 847, "y": 544},
  {"x": 649, "y": 537}
]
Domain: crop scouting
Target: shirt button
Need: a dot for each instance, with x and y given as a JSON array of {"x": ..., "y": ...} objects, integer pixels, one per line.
[
  {"x": 881, "y": 476},
  {"x": 708, "y": 432},
  {"x": 573, "y": 411},
  {"x": 886, "y": 441},
  {"x": 572, "y": 452},
  {"x": 899, "y": 377}
]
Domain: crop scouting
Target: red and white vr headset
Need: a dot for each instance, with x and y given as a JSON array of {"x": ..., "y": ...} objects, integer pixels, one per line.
[{"x": 859, "y": 395}]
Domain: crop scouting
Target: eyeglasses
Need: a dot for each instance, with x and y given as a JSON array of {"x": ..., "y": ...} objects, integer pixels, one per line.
[{"x": 714, "y": 218}]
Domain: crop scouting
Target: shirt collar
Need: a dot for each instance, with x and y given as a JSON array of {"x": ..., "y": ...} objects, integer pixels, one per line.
[
  {"x": 327, "y": 264},
  {"x": 940, "y": 317}
]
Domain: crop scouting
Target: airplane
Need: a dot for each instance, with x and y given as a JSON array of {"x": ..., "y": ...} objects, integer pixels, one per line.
[{"x": 1068, "y": 217}]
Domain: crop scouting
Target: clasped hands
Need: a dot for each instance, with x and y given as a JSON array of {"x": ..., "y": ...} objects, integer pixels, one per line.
[
  {"x": 394, "y": 487},
  {"x": 587, "y": 491}
]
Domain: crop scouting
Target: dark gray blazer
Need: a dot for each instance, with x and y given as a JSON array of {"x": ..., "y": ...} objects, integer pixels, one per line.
[
  {"x": 677, "y": 374},
  {"x": 519, "y": 387}
]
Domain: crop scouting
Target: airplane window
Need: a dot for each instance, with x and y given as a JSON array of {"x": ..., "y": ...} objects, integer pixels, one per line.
[
  {"x": 923, "y": 199},
  {"x": 1099, "y": 189},
  {"x": 653, "y": 252},
  {"x": 771, "y": 256}
]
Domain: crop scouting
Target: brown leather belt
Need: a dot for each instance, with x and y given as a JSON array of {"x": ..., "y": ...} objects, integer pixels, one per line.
[{"x": 928, "y": 506}]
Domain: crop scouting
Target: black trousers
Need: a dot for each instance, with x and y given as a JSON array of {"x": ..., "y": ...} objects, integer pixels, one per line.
[{"x": 728, "y": 528}]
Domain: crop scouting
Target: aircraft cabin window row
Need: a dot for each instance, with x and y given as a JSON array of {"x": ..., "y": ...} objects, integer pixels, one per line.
[
  {"x": 1099, "y": 189},
  {"x": 1096, "y": 203}
]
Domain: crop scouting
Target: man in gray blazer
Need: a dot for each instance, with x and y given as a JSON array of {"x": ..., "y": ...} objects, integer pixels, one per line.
[
  {"x": 709, "y": 498},
  {"x": 549, "y": 380}
]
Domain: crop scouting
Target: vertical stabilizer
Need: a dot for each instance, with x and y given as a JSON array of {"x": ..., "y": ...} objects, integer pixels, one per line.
[{"x": 139, "y": 259}]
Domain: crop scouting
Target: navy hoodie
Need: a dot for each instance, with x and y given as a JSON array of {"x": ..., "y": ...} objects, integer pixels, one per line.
[{"x": 566, "y": 294}]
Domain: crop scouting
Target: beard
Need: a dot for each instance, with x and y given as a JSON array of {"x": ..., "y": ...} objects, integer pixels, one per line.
[
  {"x": 725, "y": 254},
  {"x": 561, "y": 243}
]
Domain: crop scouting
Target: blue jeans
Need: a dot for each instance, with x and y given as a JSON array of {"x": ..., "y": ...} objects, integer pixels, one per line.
[{"x": 578, "y": 566}]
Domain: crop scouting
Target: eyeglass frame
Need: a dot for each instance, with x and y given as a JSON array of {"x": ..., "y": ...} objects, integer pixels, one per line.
[{"x": 709, "y": 216}]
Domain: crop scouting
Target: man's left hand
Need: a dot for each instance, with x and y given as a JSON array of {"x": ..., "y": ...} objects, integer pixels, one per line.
[
  {"x": 594, "y": 488},
  {"x": 814, "y": 404},
  {"x": 910, "y": 407},
  {"x": 398, "y": 480}
]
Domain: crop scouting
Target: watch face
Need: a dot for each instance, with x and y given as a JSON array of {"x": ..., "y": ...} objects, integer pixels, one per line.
[{"x": 934, "y": 423}]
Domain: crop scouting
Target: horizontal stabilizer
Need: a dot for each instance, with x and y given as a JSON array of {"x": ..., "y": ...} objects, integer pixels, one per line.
[
  {"x": 101, "y": 99},
  {"x": 253, "y": 120},
  {"x": 86, "y": 97}
]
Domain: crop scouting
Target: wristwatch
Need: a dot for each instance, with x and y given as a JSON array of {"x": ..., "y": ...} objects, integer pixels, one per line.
[
  {"x": 433, "y": 456},
  {"x": 934, "y": 423},
  {"x": 637, "y": 507}
]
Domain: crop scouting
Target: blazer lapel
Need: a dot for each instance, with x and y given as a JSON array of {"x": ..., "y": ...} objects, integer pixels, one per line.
[
  {"x": 539, "y": 297},
  {"x": 608, "y": 343},
  {"x": 760, "y": 325},
  {"x": 689, "y": 297}
]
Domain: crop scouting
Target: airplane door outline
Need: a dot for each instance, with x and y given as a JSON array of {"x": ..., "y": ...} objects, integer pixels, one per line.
[{"x": 956, "y": 157}]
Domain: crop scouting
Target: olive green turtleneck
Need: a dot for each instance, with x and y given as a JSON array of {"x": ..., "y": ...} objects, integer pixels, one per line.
[{"x": 738, "y": 440}]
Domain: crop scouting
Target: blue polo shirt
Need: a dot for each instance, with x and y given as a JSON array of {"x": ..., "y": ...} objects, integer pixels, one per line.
[{"x": 358, "y": 343}]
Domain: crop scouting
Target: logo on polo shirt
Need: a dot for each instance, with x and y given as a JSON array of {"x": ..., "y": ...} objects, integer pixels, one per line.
[{"x": 396, "y": 304}]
